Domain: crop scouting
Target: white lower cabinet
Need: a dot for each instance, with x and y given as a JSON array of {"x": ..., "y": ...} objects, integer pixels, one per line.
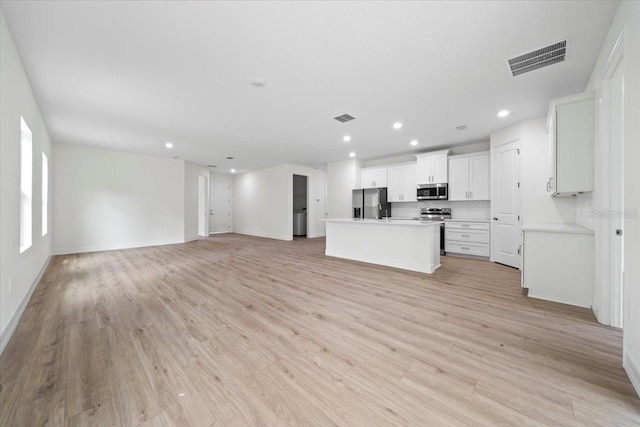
[
  {"x": 468, "y": 238},
  {"x": 558, "y": 263}
]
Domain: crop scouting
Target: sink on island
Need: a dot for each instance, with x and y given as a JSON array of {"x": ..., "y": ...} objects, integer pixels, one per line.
[{"x": 400, "y": 243}]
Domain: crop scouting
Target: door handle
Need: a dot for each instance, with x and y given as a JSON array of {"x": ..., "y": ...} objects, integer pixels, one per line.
[{"x": 495, "y": 218}]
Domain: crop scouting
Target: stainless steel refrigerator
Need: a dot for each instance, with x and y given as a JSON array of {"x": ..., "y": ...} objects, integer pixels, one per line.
[{"x": 371, "y": 203}]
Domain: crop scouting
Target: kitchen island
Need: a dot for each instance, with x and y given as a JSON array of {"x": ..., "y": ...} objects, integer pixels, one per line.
[{"x": 406, "y": 244}]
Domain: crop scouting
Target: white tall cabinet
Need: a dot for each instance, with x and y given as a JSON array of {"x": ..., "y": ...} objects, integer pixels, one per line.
[
  {"x": 433, "y": 167},
  {"x": 469, "y": 177},
  {"x": 402, "y": 180}
]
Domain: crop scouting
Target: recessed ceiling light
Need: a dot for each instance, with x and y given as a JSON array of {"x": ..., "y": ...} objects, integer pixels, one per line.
[
  {"x": 352, "y": 154},
  {"x": 346, "y": 138},
  {"x": 233, "y": 171},
  {"x": 414, "y": 142},
  {"x": 397, "y": 125},
  {"x": 168, "y": 145},
  {"x": 503, "y": 113}
]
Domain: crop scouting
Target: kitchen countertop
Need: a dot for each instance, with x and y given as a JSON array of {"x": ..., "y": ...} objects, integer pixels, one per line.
[
  {"x": 556, "y": 228},
  {"x": 392, "y": 221},
  {"x": 467, "y": 220}
]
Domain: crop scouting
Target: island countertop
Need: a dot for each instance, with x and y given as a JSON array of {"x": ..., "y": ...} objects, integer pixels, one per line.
[
  {"x": 384, "y": 221},
  {"x": 402, "y": 243}
]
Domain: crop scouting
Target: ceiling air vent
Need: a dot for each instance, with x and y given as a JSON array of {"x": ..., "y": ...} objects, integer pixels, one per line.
[
  {"x": 543, "y": 57},
  {"x": 344, "y": 118},
  {"x": 462, "y": 127}
]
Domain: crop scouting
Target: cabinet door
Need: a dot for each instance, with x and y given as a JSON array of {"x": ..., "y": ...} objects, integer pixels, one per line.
[
  {"x": 439, "y": 168},
  {"x": 479, "y": 178},
  {"x": 574, "y": 147},
  {"x": 425, "y": 170},
  {"x": 380, "y": 177},
  {"x": 459, "y": 179},
  {"x": 366, "y": 178},
  {"x": 409, "y": 183},
  {"x": 394, "y": 187}
]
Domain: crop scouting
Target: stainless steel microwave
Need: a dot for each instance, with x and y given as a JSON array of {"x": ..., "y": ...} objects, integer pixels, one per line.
[{"x": 433, "y": 192}]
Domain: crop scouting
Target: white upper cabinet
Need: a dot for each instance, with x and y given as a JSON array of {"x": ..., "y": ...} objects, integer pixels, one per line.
[
  {"x": 373, "y": 177},
  {"x": 469, "y": 177},
  {"x": 571, "y": 124},
  {"x": 402, "y": 183},
  {"x": 433, "y": 167}
]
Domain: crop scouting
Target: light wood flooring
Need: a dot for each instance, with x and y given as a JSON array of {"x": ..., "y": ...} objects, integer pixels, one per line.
[{"x": 240, "y": 331}]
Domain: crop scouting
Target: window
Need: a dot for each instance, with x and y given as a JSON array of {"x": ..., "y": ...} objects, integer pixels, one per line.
[
  {"x": 26, "y": 185},
  {"x": 45, "y": 194}
]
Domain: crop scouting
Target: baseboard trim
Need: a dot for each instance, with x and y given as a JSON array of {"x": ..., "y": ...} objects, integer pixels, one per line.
[
  {"x": 13, "y": 323},
  {"x": 633, "y": 371},
  {"x": 85, "y": 249}
]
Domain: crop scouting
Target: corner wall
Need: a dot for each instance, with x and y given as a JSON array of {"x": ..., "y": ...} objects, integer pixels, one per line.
[
  {"x": 191, "y": 174},
  {"x": 19, "y": 272},
  {"x": 342, "y": 178}
]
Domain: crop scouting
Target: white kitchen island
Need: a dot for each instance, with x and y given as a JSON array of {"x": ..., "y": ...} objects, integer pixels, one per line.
[{"x": 406, "y": 244}]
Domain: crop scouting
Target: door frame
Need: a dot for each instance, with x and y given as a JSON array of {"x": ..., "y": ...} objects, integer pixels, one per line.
[
  {"x": 203, "y": 220},
  {"x": 611, "y": 277}
]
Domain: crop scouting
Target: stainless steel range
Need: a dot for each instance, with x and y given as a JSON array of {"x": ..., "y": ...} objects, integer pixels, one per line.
[{"x": 436, "y": 214}]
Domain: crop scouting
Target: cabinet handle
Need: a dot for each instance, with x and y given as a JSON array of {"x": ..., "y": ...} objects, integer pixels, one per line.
[
  {"x": 466, "y": 225},
  {"x": 465, "y": 248},
  {"x": 466, "y": 235},
  {"x": 470, "y": 194}
]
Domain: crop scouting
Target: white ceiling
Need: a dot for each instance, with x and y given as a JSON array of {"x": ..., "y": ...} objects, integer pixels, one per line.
[{"x": 133, "y": 75}]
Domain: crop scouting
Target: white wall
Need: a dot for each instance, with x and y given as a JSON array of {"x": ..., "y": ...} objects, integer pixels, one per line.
[
  {"x": 627, "y": 19},
  {"x": 19, "y": 273},
  {"x": 342, "y": 178},
  {"x": 535, "y": 157},
  {"x": 105, "y": 199},
  {"x": 191, "y": 174},
  {"x": 263, "y": 202}
]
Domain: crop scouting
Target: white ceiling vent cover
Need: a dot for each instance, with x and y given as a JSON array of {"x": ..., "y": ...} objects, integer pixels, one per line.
[{"x": 540, "y": 58}]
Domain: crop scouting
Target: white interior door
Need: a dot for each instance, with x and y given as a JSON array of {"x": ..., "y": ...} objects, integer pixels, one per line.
[
  {"x": 505, "y": 204},
  {"x": 202, "y": 206},
  {"x": 220, "y": 209}
]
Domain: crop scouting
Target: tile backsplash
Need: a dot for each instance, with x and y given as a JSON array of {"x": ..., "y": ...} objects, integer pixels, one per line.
[{"x": 477, "y": 209}]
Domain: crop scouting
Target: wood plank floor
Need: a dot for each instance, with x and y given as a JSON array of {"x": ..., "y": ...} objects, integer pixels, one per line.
[{"x": 240, "y": 331}]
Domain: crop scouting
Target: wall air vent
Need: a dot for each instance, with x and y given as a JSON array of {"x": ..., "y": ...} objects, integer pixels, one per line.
[
  {"x": 540, "y": 58},
  {"x": 344, "y": 118},
  {"x": 462, "y": 127}
]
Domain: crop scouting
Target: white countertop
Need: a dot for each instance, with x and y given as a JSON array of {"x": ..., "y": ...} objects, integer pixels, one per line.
[
  {"x": 486, "y": 221},
  {"x": 392, "y": 221},
  {"x": 556, "y": 228}
]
